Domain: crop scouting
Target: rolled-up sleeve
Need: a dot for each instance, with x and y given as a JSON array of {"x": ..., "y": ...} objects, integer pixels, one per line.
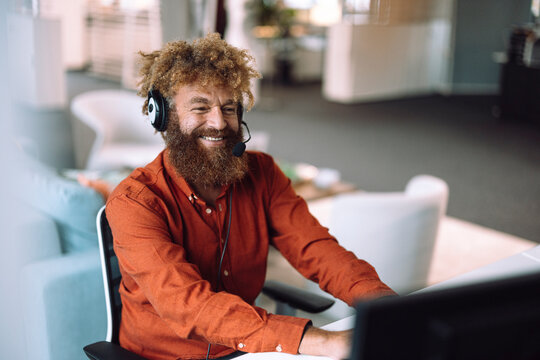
[{"x": 311, "y": 249}]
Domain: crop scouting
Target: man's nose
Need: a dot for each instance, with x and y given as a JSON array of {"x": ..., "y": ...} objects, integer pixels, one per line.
[{"x": 215, "y": 119}]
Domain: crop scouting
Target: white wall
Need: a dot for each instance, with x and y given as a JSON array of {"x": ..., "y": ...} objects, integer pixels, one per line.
[
  {"x": 404, "y": 49},
  {"x": 72, "y": 16},
  {"x": 371, "y": 62},
  {"x": 35, "y": 61}
]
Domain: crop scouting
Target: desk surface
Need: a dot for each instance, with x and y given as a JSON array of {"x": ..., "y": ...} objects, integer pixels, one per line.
[
  {"x": 309, "y": 192},
  {"x": 522, "y": 263}
]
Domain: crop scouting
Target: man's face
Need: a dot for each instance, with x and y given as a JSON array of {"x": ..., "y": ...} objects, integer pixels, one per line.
[
  {"x": 201, "y": 135},
  {"x": 209, "y": 112}
]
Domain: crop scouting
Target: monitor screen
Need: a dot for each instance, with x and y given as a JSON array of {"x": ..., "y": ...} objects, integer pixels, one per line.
[{"x": 499, "y": 319}]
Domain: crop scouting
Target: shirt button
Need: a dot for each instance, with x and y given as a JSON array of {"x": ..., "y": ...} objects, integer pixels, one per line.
[
  {"x": 226, "y": 273},
  {"x": 278, "y": 348},
  {"x": 241, "y": 346},
  {"x": 208, "y": 210}
]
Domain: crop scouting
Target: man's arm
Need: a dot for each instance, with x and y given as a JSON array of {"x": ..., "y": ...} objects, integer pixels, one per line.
[
  {"x": 311, "y": 249},
  {"x": 334, "y": 344}
]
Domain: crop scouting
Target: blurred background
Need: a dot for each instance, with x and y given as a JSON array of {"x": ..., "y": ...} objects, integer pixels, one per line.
[
  {"x": 392, "y": 89},
  {"x": 377, "y": 91}
]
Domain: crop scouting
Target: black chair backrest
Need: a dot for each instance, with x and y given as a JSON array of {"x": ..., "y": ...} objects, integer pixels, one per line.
[{"x": 111, "y": 276}]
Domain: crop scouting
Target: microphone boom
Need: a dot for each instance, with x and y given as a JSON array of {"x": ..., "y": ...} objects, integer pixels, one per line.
[{"x": 240, "y": 147}]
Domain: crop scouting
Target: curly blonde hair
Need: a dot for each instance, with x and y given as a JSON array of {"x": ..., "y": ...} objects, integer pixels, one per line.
[{"x": 207, "y": 61}]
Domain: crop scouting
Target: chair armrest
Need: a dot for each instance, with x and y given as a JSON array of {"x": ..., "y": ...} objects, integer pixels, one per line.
[
  {"x": 104, "y": 350},
  {"x": 295, "y": 297}
]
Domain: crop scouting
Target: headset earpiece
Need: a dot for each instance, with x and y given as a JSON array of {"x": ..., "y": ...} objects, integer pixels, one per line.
[{"x": 157, "y": 110}]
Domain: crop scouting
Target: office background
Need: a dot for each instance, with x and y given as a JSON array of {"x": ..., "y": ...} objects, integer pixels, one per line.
[
  {"x": 450, "y": 128},
  {"x": 447, "y": 128}
]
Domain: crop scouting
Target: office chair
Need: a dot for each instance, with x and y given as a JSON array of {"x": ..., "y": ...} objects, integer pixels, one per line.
[
  {"x": 287, "y": 297},
  {"x": 123, "y": 135},
  {"x": 393, "y": 231}
]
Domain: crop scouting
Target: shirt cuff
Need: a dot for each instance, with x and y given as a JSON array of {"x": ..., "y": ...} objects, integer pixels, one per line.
[
  {"x": 370, "y": 290},
  {"x": 283, "y": 334}
]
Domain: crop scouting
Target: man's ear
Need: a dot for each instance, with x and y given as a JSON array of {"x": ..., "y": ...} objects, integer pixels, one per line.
[{"x": 240, "y": 113}]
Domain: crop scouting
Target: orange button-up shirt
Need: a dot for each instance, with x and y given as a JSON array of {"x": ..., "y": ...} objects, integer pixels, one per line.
[{"x": 169, "y": 245}]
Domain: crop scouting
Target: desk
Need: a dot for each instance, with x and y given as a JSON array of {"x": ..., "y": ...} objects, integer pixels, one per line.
[
  {"x": 309, "y": 192},
  {"x": 522, "y": 263},
  {"x": 519, "y": 264}
]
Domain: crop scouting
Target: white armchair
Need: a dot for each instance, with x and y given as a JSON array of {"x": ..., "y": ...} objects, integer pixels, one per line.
[
  {"x": 394, "y": 231},
  {"x": 124, "y": 136}
]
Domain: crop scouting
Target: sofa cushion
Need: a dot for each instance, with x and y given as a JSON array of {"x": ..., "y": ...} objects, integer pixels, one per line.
[
  {"x": 72, "y": 206},
  {"x": 64, "y": 306}
]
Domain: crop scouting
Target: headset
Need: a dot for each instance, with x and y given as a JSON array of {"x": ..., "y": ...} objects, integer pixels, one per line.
[{"x": 158, "y": 111}]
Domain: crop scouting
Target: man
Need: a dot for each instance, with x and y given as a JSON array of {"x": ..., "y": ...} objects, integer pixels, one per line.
[{"x": 192, "y": 229}]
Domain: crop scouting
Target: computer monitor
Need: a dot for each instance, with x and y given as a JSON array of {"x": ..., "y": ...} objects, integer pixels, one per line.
[{"x": 493, "y": 320}]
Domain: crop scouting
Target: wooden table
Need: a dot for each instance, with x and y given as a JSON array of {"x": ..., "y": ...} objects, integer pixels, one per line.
[{"x": 308, "y": 190}]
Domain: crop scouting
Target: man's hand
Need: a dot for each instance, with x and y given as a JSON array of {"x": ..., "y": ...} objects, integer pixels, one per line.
[
  {"x": 334, "y": 344},
  {"x": 100, "y": 186}
]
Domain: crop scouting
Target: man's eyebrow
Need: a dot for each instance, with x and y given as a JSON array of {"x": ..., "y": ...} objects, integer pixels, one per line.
[
  {"x": 203, "y": 100},
  {"x": 198, "y": 100}
]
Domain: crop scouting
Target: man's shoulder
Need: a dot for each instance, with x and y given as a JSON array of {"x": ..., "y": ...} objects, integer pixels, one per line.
[
  {"x": 260, "y": 161},
  {"x": 143, "y": 181},
  {"x": 263, "y": 171}
]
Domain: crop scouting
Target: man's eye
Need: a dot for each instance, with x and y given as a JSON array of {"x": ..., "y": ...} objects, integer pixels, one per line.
[
  {"x": 200, "y": 109},
  {"x": 230, "y": 110}
]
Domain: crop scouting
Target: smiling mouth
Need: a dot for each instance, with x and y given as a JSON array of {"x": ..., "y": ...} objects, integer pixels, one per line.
[{"x": 210, "y": 138}]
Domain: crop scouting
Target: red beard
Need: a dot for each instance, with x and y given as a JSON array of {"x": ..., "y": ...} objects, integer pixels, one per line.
[{"x": 205, "y": 166}]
